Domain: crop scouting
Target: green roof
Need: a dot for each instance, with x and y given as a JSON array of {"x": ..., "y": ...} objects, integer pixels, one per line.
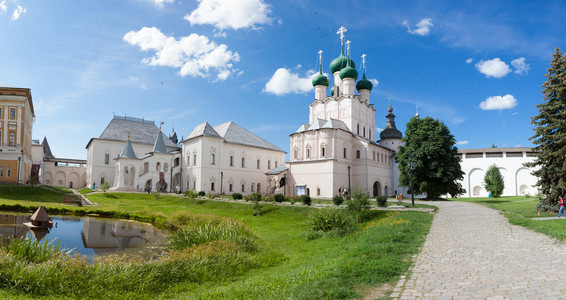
[
  {"x": 349, "y": 72},
  {"x": 364, "y": 84},
  {"x": 340, "y": 62},
  {"x": 320, "y": 79}
]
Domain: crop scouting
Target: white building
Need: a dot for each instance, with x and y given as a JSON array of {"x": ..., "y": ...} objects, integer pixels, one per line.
[
  {"x": 510, "y": 161},
  {"x": 51, "y": 170}
]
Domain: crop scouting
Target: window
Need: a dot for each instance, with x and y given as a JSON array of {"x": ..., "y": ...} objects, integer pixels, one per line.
[
  {"x": 308, "y": 152},
  {"x": 194, "y": 160},
  {"x": 1, "y": 172},
  {"x": 357, "y": 154},
  {"x": 12, "y": 112},
  {"x": 373, "y": 155},
  {"x": 176, "y": 162},
  {"x": 12, "y": 139},
  {"x": 188, "y": 160},
  {"x": 369, "y": 134},
  {"x": 295, "y": 154},
  {"x": 323, "y": 151},
  {"x": 252, "y": 187},
  {"x": 194, "y": 185},
  {"x": 102, "y": 180},
  {"x": 8, "y": 172},
  {"x": 358, "y": 130},
  {"x": 382, "y": 160},
  {"x": 212, "y": 186},
  {"x": 318, "y": 191},
  {"x": 269, "y": 165},
  {"x": 230, "y": 187},
  {"x": 243, "y": 162},
  {"x": 106, "y": 158},
  {"x": 0, "y": 137},
  {"x": 276, "y": 164},
  {"x": 158, "y": 167},
  {"x": 165, "y": 167},
  {"x": 364, "y": 132},
  {"x": 231, "y": 161},
  {"x": 345, "y": 152},
  {"x": 0, "y": 112},
  {"x": 212, "y": 159},
  {"x": 243, "y": 188},
  {"x": 258, "y": 163}
]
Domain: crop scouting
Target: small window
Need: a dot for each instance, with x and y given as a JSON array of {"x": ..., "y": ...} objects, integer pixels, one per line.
[
  {"x": 318, "y": 191},
  {"x": 158, "y": 167},
  {"x": 364, "y": 132},
  {"x": 358, "y": 129},
  {"x": 102, "y": 180},
  {"x": 12, "y": 139},
  {"x": 231, "y": 161},
  {"x": 8, "y": 172},
  {"x": 212, "y": 159},
  {"x": 212, "y": 186},
  {"x": 0, "y": 136},
  {"x": 243, "y": 188},
  {"x": 276, "y": 164},
  {"x": 345, "y": 152},
  {"x": 194, "y": 185},
  {"x": 12, "y": 112},
  {"x": 188, "y": 160},
  {"x": 269, "y": 165},
  {"x": 1, "y": 172},
  {"x": 165, "y": 167},
  {"x": 369, "y": 134},
  {"x": 0, "y": 112},
  {"x": 295, "y": 155},
  {"x": 176, "y": 162},
  {"x": 106, "y": 158},
  {"x": 258, "y": 163},
  {"x": 194, "y": 160},
  {"x": 373, "y": 155},
  {"x": 243, "y": 162},
  {"x": 252, "y": 187},
  {"x": 357, "y": 154},
  {"x": 308, "y": 153},
  {"x": 230, "y": 187}
]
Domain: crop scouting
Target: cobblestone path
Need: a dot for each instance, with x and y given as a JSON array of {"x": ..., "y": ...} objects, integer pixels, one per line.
[{"x": 472, "y": 252}]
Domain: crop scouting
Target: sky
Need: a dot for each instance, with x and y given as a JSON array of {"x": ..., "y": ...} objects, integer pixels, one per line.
[{"x": 478, "y": 66}]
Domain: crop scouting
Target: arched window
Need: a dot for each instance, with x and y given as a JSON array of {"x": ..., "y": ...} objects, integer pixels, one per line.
[
  {"x": 357, "y": 154},
  {"x": 308, "y": 152},
  {"x": 212, "y": 159},
  {"x": 212, "y": 186},
  {"x": 269, "y": 165},
  {"x": 243, "y": 188},
  {"x": 106, "y": 158},
  {"x": 358, "y": 130},
  {"x": 195, "y": 159},
  {"x": 364, "y": 131},
  {"x": 258, "y": 163},
  {"x": 276, "y": 164},
  {"x": 188, "y": 160},
  {"x": 295, "y": 154},
  {"x": 243, "y": 162},
  {"x": 230, "y": 187},
  {"x": 373, "y": 155},
  {"x": 369, "y": 134},
  {"x": 8, "y": 172},
  {"x": 253, "y": 187},
  {"x": 1, "y": 172},
  {"x": 345, "y": 152},
  {"x": 165, "y": 167},
  {"x": 157, "y": 166},
  {"x": 323, "y": 151},
  {"x": 231, "y": 161}
]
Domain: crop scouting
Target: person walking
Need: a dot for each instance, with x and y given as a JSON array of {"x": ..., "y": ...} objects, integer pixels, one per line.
[{"x": 561, "y": 211}]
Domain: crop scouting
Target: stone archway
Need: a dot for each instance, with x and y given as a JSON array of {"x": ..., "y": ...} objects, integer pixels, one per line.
[{"x": 376, "y": 189}]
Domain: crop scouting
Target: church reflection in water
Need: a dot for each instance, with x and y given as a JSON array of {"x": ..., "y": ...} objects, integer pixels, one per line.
[{"x": 88, "y": 236}]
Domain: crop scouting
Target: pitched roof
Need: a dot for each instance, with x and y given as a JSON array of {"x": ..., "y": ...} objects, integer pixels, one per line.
[
  {"x": 337, "y": 124},
  {"x": 141, "y": 131},
  {"x": 303, "y": 127},
  {"x": 203, "y": 129},
  {"x": 46, "y": 149},
  {"x": 159, "y": 145},
  {"x": 128, "y": 150},
  {"x": 40, "y": 215},
  {"x": 278, "y": 170},
  {"x": 236, "y": 134}
]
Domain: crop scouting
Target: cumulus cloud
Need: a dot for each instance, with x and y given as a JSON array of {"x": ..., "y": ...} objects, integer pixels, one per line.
[
  {"x": 3, "y": 7},
  {"x": 520, "y": 66},
  {"x": 18, "y": 12},
  {"x": 469, "y": 60},
  {"x": 493, "y": 68},
  {"x": 160, "y": 3},
  {"x": 423, "y": 27},
  {"x": 231, "y": 14},
  {"x": 285, "y": 82},
  {"x": 374, "y": 82},
  {"x": 499, "y": 102},
  {"x": 194, "y": 55},
  {"x": 461, "y": 143}
]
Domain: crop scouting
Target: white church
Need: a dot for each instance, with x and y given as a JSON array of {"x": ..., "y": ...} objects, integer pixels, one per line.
[{"x": 336, "y": 151}]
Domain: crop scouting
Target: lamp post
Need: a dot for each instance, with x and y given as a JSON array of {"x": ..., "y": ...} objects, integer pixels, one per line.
[
  {"x": 349, "y": 188},
  {"x": 221, "y": 179},
  {"x": 411, "y": 170}
]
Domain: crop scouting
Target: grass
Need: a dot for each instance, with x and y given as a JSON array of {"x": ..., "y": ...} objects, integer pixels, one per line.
[
  {"x": 28, "y": 194},
  {"x": 85, "y": 190},
  {"x": 226, "y": 252},
  {"x": 520, "y": 210}
]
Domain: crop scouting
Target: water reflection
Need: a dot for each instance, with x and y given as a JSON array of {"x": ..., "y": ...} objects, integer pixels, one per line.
[{"x": 90, "y": 236}]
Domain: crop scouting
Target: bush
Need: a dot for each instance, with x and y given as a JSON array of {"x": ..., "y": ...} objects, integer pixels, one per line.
[
  {"x": 201, "y": 193},
  {"x": 338, "y": 200},
  {"x": 257, "y": 206},
  {"x": 279, "y": 198},
  {"x": 255, "y": 197},
  {"x": 191, "y": 194},
  {"x": 306, "y": 199},
  {"x": 381, "y": 201},
  {"x": 359, "y": 204},
  {"x": 237, "y": 196},
  {"x": 269, "y": 198},
  {"x": 332, "y": 222}
]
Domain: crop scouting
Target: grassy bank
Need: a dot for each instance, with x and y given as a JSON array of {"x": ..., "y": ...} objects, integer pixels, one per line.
[
  {"x": 226, "y": 252},
  {"x": 520, "y": 211}
]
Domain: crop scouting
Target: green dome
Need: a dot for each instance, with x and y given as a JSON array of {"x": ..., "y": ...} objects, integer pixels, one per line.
[
  {"x": 364, "y": 84},
  {"x": 332, "y": 91},
  {"x": 349, "y": 72},
  {"x": 340, "y": 62},
  {"x": 320, "y": 79}
]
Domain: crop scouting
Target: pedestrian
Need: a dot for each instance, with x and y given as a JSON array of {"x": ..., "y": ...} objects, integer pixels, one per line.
[{"x": 561, "y": 211}]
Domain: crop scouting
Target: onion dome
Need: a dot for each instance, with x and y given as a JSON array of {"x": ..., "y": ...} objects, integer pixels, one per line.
[
  {"x": 341, "y": 62},
  {"x": 332, "y": 91},
  {"x": 320, "y": 79},
  {"x": 390, "y": 131},
  {"x": 364, "y": 84},
  {"x": 348, "y": 72}
]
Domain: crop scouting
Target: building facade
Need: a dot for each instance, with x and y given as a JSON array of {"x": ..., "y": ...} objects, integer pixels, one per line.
[{"x": 16, "y": 121}]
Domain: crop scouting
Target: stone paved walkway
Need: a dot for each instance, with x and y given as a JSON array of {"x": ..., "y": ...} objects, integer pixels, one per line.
[{"x": 472, "y": 252}]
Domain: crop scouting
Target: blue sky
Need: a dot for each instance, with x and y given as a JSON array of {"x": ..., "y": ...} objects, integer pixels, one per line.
[{"x": 476, "y": 65}]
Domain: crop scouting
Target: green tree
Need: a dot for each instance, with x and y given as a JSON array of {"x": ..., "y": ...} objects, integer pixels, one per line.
[
  {"x": 359, "y": 204},
  {"x": 493, "y": 181},
  {"x": 550, "y": 134},
  {"x": 434, "y": 154}
]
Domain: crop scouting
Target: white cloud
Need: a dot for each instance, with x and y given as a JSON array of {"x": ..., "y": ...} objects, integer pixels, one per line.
[
  {"x": 423, "y": 27},
  {"x": 378, "y": 130},
  {"x": 498, "y": 102},
  {"x": 374, "y": 82},
  {"x": 3, "y": 7},
  {"x": 194, "y": 55},
  {"x": 234, "y": 14},
  {"x": 160, "y": 3},
  {"x": 285, "y": 82},
  {"x": 493, "y": 68},
  {"x": 520, "y": 66},
  {"x": 461, "y": 143},
  {"x": 469, "y": 60},
  {"x": 18, "y": 12}
]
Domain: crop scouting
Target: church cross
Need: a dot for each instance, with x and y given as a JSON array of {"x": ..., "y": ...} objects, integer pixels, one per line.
[
  {"x": 341, "y": 32},
  {"x": 160, "y": 124},
  {"x": 348, "y": 48},
  {"x": 320, "y": 56},
  {"x": 364, "y": 61}
]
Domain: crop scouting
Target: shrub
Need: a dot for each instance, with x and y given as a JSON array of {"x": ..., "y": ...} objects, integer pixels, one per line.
[
  {"x": 201, "y": 193},
  {"x": 105, "y": 186},
  {"x": 237, "y": 196},
  {"x": 191, "y": 194},
  {"x": 329, "y": 221},
  {"x": 255, "y": 197},
  {"x": 306, "y": 199},
  {"x": 279, "y": 198},
  {"x": 337, "y": 200},
  {"x": 381, "y": 201},
  {"x": 269, "y": 198},
  {"x": 257, "y": 206},
  {"x": 359, "y": 204}
]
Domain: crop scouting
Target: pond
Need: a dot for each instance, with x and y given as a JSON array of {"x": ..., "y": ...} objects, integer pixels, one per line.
[{"x": 90, "y": 236}]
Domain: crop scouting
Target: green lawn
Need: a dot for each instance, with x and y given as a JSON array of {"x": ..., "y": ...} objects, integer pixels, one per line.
[
  {"x": 289, "y": 266},
  {"x": 520, "y": 211}
]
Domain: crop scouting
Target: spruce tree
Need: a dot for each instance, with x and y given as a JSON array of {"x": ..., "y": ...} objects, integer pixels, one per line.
[
  {"x": 550, "y": 134},
  {"x": 493, "y": 181},
  {"x": 434, "y": 154}
]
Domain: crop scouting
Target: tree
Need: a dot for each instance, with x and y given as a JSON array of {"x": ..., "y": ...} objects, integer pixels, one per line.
[
  {"x": 359, "y": 204},
  {"x": 493, "y": 181},
  {"x": 434, "y": 154},
  {"x": 550, "y": 134}
]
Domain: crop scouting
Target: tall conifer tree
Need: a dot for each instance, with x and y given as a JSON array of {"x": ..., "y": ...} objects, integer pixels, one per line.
[{"x": 550, "y": 134}]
